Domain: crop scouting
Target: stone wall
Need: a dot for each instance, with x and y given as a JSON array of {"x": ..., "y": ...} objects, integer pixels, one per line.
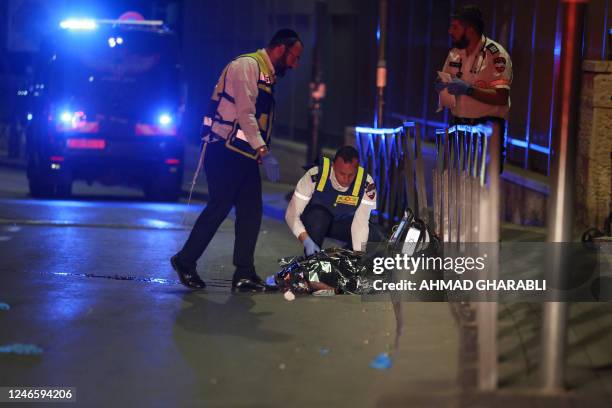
[{"x": 594, "y": 148}]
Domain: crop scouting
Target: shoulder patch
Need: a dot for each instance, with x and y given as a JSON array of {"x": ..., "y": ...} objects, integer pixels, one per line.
[
  {"x": 370, "y": 191},
  {"x": 492, "y": 48},
  {"x": 500, "y": 64}
]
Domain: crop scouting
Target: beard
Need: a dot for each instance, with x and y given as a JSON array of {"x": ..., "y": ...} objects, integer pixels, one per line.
[
  {"x": 461, "y": 43},
  {"x": 281, "y": 67}
]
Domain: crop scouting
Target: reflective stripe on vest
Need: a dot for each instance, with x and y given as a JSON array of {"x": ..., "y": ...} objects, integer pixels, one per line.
[
  {"x": 324, "y": 175},
  {"x": 336, "y": 202},
  {"x": 264, "y": 109}
]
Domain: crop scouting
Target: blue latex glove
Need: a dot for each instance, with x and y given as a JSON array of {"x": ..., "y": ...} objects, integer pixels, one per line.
[
  {"x": 271, "y": 167},
  {"x": 458, "y": 87},
  {"x": 310, "y": 247},
  {"x": 439, "y": 85}
]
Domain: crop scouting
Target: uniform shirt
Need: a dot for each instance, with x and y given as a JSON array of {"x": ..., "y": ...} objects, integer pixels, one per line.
[
  {"x": 489, "y": 67},
  {"x": 303, "y": 193},
  {"x": 241, "y": 83}
]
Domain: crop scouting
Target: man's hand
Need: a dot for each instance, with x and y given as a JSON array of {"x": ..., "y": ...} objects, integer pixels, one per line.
[
  {"x": 271, "y": 167},
  {"x": 310, "y": 247},
  {"x": 439, "y": 85},
  {"x": 459, "y": 87}
]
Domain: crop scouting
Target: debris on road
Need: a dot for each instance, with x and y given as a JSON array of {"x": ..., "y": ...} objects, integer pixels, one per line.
[
  {"x": 382, "y": 362},
  {"x": 22, "y": 349}
]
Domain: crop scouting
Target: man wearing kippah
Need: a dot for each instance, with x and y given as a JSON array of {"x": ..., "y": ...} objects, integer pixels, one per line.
[{"x": 236, "y": 133}]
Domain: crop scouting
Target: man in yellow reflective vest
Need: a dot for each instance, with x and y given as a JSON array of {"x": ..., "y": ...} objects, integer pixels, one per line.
[
  {"x": 236, "y": 134},
  {"x": 334, "y": 200}
]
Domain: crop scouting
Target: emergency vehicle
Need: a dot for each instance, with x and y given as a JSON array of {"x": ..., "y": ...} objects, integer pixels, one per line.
[{"x": 106, "y": 107}]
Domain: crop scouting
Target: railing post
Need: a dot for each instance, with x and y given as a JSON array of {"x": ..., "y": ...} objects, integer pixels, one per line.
[
  {"x": 560, "y": 213},
  {"x": 489, "y": 228}
]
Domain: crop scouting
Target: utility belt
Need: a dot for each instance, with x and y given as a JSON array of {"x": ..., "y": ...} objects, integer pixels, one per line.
[{"x": 236, "y": 141}]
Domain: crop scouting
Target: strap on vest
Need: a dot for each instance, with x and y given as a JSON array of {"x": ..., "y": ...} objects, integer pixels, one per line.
[
  {"x": 358, "y": 181},
  {"x": 325, "y": 175}
]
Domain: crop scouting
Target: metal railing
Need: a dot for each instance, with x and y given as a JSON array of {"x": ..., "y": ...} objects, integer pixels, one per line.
[
  {"x": 466, "y": 184},
  {"x": 393, "y": 157}
]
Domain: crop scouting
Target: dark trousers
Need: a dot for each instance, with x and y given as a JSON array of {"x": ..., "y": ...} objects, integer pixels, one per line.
[
  {"x": 233, "y": 181},
  {"x": 320, "y": 223}
]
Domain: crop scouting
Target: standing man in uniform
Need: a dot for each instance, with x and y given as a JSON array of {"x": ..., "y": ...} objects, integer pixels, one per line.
[
  {"x": 334, "y": 200},
  {"x": 236, "y": 134},
  {"x": 481, "y": 72}
]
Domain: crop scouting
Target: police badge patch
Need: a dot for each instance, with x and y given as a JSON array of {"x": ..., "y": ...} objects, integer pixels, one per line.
[
  {"x": 371, "y": 191},
  {"x": 500, "y": 64}
]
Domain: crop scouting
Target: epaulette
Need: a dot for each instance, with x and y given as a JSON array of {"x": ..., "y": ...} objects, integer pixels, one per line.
[{"x": 492, "y": 48}]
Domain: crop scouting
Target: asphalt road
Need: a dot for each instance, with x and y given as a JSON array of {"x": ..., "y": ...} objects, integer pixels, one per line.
[{"x": 88, "y": 281}]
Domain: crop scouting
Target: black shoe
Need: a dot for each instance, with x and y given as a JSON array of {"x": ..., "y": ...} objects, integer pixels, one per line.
[
  {"x": 188, "y": 277},
  {"x": 253, "y": 284}
]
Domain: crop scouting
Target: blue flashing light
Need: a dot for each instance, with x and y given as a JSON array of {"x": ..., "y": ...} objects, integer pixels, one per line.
[
  {"x": 112, "y": 42},
  {"x": 165, "y": 119},
  {"x": 30, "y": 116},
  {"x": 66, "y": 116},
  {"x": 78, "y": 24},
  {"x": 119, "y": 40}
]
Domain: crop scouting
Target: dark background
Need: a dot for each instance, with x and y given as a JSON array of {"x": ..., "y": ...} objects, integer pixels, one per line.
[{"x": 213, "y": 32}]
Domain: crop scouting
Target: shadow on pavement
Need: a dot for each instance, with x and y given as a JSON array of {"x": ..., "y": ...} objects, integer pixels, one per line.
[{"x": 234, "y": 317}]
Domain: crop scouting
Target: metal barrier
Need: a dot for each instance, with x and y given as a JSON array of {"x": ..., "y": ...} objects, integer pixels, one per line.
[
  {"x": 466, "y": 187},
  {"x": 467, "y": 210},
  {"x": 394, "y": 159},
  {"x": 466, "y": 205}
]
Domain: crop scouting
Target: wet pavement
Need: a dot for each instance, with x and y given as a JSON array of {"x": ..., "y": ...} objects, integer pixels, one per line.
[
  {"x": 152, "y": 343},
  {"x": 89, "y": 282}
]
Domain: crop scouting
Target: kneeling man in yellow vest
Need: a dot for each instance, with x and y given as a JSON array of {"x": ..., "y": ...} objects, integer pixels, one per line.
[{"x": 334, "y": 200}]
